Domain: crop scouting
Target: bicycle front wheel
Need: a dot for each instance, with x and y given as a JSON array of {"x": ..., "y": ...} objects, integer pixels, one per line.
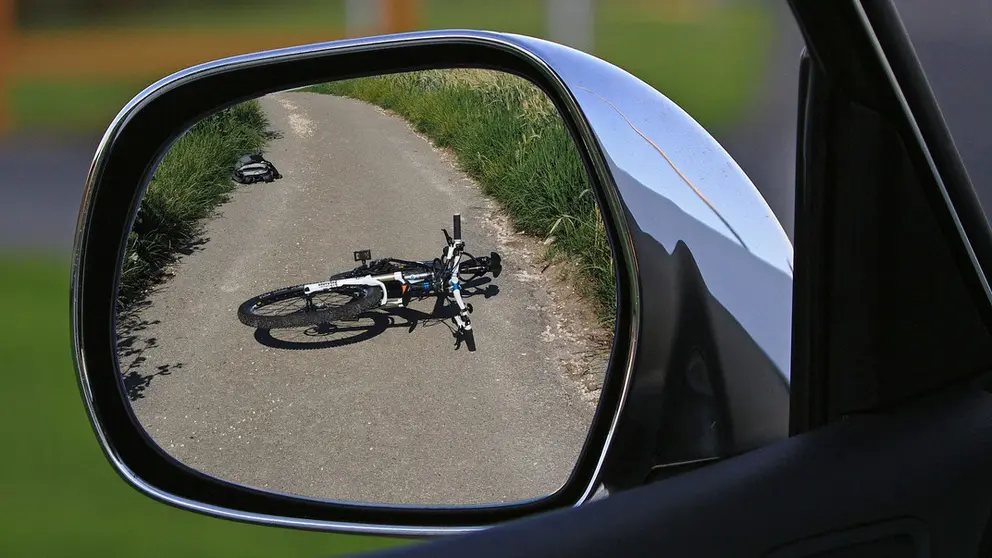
[{"x": 290, "y": 307}]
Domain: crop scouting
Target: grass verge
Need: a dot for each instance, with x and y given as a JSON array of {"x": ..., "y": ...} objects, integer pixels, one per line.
[
  {"x": 508, "y": 136},
  {"x": 60, "y": 496},
  {"x": 193, "y": 178}
]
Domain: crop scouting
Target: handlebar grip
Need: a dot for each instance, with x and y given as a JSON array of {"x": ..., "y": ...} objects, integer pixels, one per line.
[{"x": 457, "y": 226}]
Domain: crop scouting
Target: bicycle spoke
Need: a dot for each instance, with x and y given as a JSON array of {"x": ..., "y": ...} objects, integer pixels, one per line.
[{"x": 302, "y": 303}]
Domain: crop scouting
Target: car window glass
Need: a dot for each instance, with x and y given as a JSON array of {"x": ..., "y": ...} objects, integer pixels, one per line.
[{"x": 952, "y": 40}]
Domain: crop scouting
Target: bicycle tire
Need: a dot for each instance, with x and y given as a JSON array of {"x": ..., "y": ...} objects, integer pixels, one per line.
[{"x": 361, "y": 298}]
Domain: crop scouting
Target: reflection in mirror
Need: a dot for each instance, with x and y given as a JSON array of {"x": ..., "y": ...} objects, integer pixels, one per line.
[{"x": 391, "y": 290}]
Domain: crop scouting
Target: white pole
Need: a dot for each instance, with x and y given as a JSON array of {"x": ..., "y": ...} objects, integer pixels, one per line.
[
  {"x": 361, "y": 16},
  {"x": 572, "y": 23}
]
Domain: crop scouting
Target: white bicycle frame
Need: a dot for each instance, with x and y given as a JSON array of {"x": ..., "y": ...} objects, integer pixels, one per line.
[{"x": 452, "y": 252}]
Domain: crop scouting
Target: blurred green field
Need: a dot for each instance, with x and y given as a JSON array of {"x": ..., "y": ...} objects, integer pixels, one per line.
[
  {"x": 60, "y": 496},
  {"x": 710, "y": 63}
]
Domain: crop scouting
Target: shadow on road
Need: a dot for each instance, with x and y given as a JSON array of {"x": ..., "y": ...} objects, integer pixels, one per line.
[
  {"x": 371, "y": 324},
  {"x": 132, "y": 343},
  {"x": 136, "y": 382}
]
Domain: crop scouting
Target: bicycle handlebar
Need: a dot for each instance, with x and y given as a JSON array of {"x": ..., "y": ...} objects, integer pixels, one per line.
[{"x": 457, "y": 226}]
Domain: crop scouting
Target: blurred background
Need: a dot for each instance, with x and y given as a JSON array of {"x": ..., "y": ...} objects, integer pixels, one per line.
[{"x": 68, "y": 66}]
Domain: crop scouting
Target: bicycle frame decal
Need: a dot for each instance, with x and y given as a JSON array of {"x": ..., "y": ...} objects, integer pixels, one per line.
[{"x": 324, "y": 286}]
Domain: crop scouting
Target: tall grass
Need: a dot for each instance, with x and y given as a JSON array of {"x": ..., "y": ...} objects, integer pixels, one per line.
[
  {"x": 193, "y": 178},
  {"x": 507, "y": 134}
]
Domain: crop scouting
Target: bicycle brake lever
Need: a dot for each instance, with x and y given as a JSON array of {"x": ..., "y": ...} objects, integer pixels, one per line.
[{"x": 447, "y": 237}]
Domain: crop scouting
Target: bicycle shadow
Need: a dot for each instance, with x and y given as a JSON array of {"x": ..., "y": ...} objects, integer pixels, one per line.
[{"x": 373, "y": 323}]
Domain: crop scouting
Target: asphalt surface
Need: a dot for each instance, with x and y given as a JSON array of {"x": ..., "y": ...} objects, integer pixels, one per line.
[{"x": 368, "y": 411}]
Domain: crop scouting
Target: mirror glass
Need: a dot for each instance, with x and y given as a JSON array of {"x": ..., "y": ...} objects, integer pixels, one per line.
[{"x": 394, "y": 290}]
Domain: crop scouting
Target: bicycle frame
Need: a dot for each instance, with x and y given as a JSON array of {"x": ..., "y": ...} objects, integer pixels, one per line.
[{"x": 452, "y": 257}]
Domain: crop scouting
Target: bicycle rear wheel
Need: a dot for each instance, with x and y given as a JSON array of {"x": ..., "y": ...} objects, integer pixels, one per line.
[{"x": 290, "y": 307}]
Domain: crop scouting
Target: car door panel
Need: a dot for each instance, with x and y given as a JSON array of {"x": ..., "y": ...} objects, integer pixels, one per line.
[{"x": 926, "y": 466}]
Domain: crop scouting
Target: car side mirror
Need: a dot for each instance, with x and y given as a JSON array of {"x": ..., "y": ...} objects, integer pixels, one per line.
[{"x": 691, "y": 266}]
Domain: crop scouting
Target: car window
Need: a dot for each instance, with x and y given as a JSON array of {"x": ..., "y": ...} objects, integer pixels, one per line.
[{"x": 953, "y": 40}]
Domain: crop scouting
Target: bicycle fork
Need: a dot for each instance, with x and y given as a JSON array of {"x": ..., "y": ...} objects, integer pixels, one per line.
[{"x": 461, "y": 319}]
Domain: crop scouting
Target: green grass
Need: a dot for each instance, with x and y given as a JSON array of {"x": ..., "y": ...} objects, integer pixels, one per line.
[
  {"x": 193, "y": 178},
  {"x": 60, "y": 496},
  {"x": 71, "y": 106},
  {"x": 711, "y": 64},
  {"x": 712, "y": 67},
  {"x": 507, "y": 135}
]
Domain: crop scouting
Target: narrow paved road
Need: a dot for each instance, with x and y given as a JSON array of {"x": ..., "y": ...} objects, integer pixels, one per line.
[{"x": 372, "y": 411}]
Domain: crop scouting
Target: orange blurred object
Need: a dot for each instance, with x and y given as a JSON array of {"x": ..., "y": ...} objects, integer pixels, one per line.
[
  {"x": 7, "y": 30},
  {"x": 401, "y": 15},
  {"x": 115, "y": 53}
]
